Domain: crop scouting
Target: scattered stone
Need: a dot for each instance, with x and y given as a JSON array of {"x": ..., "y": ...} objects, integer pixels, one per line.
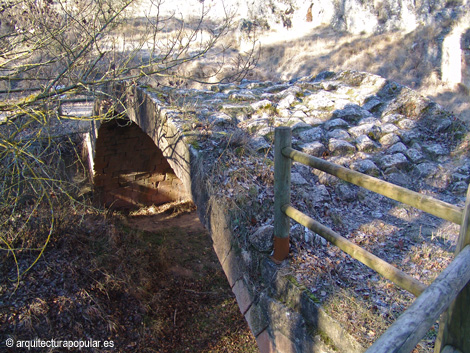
[
  {"x": 297, "y": 179},
  {"x": 300, "y": 125},
  {"x": 366, "y": 166},
  {"x": 389, "y": 139},
  {"x": 397, "y": 160},
  {"x": 316, "y": 148},
  {"x": 262, "y": 239},
  {"x": 284, "y": 113},
  {"x": 370, "y": 120},
  {"x": 365, "y": 144},
  {"x": 399, "y": 178},
  {"x": 389, "y": 128},
  {"x": 338, "y": 147},
  {"x": 409, "y": 137},
  {"x": 444, "y": 125},
  {"x": 407, "y": 124},
  {"x": 373, "y": 105},
  {"x": 320, "y": 195},
  {"x": 344, "y": 161},
  {"x": 435, "y": 151},
  {"x": 320, "y": 101},
  {"x": 339, "y": 134},
  {"x": 242, "y": 96},
  {"x": 286, "y": 102},
  {"x": 220, "y": 119},
  {"x": 296, "y": 231},
  {"x": 325, "y": 178},
  {"x": 415, "y": 155},
  {"x": 465, "y": 167},
  {"x": 427, "y": 169},
  {"x": 314, "y": 134},
  {"x": 371, "y": 130},
  {"x": 346, "y": 192},
  {"x": 312, "y": 121},
  {"x": 352, "y": 113},
  {"x": 263, "y": 104},
  {"x": 259, "y": 144},
  {"x": 335, "y": 124},
  {"x": 237, "y": 110},
  {"x": 397, "y": 148},
  {"x": 392, "y": 118}
]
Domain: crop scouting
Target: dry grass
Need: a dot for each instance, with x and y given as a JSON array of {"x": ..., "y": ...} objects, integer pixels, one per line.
[
  {"x": 141, "y": 281},
  {"x": 412, "y": 59}
]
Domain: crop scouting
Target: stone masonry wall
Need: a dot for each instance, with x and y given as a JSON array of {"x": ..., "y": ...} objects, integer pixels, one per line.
[{"x": 130, "y": 171}]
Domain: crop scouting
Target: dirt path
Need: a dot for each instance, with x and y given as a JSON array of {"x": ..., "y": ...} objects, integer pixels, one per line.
[{"x": 201, "y": 314}]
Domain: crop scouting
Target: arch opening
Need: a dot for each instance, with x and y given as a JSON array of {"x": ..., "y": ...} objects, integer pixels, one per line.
[{"x": 130, "y": 171}]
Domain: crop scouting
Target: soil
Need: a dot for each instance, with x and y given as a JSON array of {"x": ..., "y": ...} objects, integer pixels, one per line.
[{"x": 147, "y": 282}]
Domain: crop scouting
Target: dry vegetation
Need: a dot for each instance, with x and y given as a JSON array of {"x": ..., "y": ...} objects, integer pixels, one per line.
[
  {"x": 144, "y": 281},
  {"x": 412, "y": 59}
]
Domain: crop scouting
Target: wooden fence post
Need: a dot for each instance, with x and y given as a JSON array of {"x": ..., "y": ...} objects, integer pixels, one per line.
[
  {"x": 282, "y": 173},
  {"x": 454, "y": 330}
]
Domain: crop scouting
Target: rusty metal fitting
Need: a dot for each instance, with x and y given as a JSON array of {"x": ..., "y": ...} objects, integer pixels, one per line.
[{"x": 281, "y": 249}]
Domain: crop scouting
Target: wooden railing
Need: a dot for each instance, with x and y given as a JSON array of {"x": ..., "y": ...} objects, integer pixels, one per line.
[{"x": 450, "y": 290}]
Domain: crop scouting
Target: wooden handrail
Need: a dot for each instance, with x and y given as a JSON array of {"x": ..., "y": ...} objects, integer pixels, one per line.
[
  {"x": 425, "y": 203},
  {"x": 450, "y": 290},
  {"x": 455, "y": 324},
  {"x": 405, "y": 333},
  {"x": 390, "y": 272}
]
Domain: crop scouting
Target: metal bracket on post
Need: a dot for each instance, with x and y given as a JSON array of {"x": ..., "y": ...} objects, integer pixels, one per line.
[
  {"x": 455, "y": 323},
  {"x": 282, "y": 175}
]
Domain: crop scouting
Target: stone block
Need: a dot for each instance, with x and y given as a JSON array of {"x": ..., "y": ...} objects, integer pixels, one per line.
[
  {"x": 243, "y": 294},
  {"x": 156, "y": 178},
  {"x": 262, "y": 239},
  {"x": 396, "y": 161},
  {"x": 221, "y": 234},
  {"x": 257, "y": 319},
  {"x": 339, "y": 147},
  {"x": 316, "y": 148},
  {"x": 232, "y": 267},
  {"x": 283, "y": 344},
  {"x": 265, "y": 343}
]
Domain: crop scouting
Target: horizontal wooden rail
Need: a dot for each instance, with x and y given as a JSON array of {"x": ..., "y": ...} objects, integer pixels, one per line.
[
  {"x": 405, "y": 333},
  {"x": 425, "y": 203},
  {"x": 390, "y": 272}
]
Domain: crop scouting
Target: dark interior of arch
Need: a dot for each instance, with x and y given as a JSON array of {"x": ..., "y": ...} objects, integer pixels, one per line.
[{"x": 130, "y": 171}]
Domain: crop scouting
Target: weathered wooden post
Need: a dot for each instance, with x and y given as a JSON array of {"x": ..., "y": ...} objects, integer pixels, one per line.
[
  {"x": 454, "y": 330},
  {"x": 282, "y": 171}
]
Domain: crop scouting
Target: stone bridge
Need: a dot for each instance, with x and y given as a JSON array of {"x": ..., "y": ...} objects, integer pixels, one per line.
[{"x": 214, "y": 147}]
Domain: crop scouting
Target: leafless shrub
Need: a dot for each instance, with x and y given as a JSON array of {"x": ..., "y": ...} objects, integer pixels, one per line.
[{"x": 51, "y": 50}]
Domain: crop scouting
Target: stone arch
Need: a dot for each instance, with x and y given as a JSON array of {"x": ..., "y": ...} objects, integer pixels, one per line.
[{"x": 130, "y": 171}]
